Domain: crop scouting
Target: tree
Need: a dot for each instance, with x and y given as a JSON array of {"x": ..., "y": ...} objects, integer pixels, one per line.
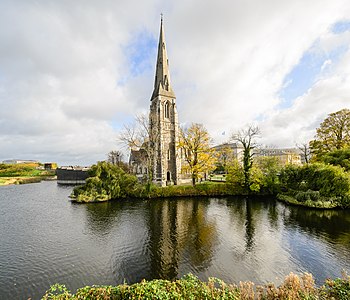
[
  {"x": 199, "y": 156},
  {"x": 305, "y": 151},
  {"x": 115, "y": 157},
  {"x": 225, "y": 158},
  {"x": 137, "y": 137},
  {"x": 270, "y": 167},
  {"x": 106, "y": 181},
  {"x": 333, "y": 133},
  {"x": 337, "y": 158},
  {"x": 247, "y": 138}
]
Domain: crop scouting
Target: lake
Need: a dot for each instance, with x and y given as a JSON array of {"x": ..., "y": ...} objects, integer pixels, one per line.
[{"x": 46, "y": 239}]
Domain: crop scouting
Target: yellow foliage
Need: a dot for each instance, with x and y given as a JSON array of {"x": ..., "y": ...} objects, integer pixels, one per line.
[{"x": 196, "y": 151}]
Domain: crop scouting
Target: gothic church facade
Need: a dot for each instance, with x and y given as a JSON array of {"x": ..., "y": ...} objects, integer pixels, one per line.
[{"x": 163, "y": 124}]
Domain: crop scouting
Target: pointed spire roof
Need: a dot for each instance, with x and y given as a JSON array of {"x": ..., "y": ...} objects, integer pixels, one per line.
[{"x": 162, "y": 79}]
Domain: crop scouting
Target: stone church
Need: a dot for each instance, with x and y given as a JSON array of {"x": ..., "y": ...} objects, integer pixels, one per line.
[{"x": 163, "y": 126}]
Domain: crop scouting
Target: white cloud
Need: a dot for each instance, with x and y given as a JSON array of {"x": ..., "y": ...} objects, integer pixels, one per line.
[{"x": 62, "y": 64}]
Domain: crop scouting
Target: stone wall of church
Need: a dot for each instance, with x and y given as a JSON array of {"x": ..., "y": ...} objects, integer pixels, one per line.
[{"x": 164, "y": 129}]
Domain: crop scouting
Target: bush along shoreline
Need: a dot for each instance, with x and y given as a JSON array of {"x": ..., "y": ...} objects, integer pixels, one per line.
[
  {"x": 190, "y": 287},
  {"x": 314, "y": 185}
]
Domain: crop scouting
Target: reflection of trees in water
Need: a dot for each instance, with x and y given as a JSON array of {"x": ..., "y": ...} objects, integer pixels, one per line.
[
  {"x": 332, "y": 225},
  {"x": 272, "y": 213},
  {"x": 202, "y": 236},
  {"x": 249, "y": 226},
  {"x": 246, "y": 212},
  {"x": 178, "y": 228},
  {"x": 101, "y": 217}
]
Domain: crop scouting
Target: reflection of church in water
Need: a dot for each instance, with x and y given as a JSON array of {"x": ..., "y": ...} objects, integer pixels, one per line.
[{"x": 163, "y": 127}]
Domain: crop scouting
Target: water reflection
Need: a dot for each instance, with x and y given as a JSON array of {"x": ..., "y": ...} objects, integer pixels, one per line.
[
  {"x": 46, "y": 239},
  {"x": 332, "y": 225},
  {"x": 101, "y": 217},
  {"x": 179, "y": 231},
  {"x": 249, "y": 226}
]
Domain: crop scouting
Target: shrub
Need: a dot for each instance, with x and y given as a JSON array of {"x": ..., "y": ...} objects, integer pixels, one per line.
[
  {"x": 106, "y": 181},
  {"x": 316, "y": 185},
  {"x": 190, "y": 287}
]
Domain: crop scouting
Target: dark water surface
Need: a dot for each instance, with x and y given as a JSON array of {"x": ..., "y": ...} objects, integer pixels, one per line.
[{"x": 45, "y": 239}]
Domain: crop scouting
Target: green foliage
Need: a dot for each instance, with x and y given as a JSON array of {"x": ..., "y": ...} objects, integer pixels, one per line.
[
  {"x": 203, "y": 189},
  {"x": 333, "y": 133},
  {"x": 336, "y": 289},
  {"x": 22, "y": 170},
  {"x": 246, "y": 138},
  {"x": 190, "y": 287},
  {"x": 270, "y": 168},
  {"x": 236, "y": 177},
  {"x": 337, "y": 158},
  {"x": 309, "y": 195},
  {"x": 316, "y": 182},
  {"x": 57, "y": 291},
  {"x": 106, "y": 181}
]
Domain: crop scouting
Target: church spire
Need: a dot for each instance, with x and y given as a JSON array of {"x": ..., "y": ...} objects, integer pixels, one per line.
[{"x": 162, "y": 79}]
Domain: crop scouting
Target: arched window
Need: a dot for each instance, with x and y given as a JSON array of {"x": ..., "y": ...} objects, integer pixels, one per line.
[{"x": 166, "y": 110}]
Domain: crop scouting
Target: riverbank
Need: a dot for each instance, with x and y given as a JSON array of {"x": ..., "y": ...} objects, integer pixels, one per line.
[
  {"x": 190, "y": 287},
  {"x": 24, "y": 180},
  {"x": 204, "y": 189},
  {"x": 108, "y": 182},
  {"x": 324, "y": 204},
  {"x": 24, "y": 173}
]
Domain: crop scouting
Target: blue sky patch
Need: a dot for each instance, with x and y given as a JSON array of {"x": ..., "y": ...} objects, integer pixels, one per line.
[
  {"x": 314, "y": 63},
  {"x": 141, "y": 53},
  {"x": 341, "y": 27}
]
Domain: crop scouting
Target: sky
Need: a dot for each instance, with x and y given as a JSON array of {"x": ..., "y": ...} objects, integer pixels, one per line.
[{"x": 72, "y": 73}]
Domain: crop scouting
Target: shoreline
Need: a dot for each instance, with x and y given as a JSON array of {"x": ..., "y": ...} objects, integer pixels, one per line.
[
  {"x": 294, "y": 286},
  {"x": 5, "y": 181}
]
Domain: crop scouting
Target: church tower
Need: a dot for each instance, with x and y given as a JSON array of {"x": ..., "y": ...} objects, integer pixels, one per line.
[{"x": 163, "y": 122}]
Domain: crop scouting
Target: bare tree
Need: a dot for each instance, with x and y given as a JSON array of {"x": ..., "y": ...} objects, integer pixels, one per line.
[
  {"x": 247, "y": 138},
  {"x": 137, "y": 136},
  {"x": 115, "y": 157},
  {"x": 305, "y": 151}
]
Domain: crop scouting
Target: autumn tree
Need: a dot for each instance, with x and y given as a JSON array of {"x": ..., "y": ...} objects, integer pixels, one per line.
[
  {"x": 333, "y": 133},
  {"x": 194, "y": 143},
  {"x": 247, "y": 138}
]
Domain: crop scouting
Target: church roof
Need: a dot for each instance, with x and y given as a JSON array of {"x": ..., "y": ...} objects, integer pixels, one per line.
[{"x": 162, "y": 79}]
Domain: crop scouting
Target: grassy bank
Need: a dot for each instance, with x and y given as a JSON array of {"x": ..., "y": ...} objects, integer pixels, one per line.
[
  {"x": 316, "y": 186},
  {"x": 22, "y": 173},
  {"x": 154, "y": 192},
  {"x": 190, "y": 287},
  {"x": 322, "y": 204}
]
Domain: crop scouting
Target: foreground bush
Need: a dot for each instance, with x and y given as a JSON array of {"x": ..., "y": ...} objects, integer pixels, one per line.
[{"x": 190, "y": 287}]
